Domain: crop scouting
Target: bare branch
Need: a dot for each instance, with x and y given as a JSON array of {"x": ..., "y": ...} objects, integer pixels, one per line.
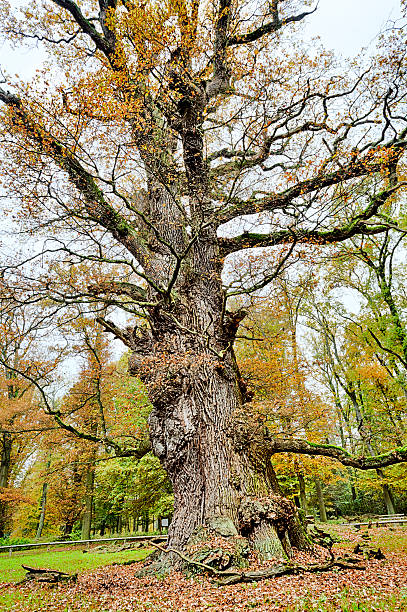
[
  {"x": 267, "y": 28},
  {"x": 86, "y": 26}
]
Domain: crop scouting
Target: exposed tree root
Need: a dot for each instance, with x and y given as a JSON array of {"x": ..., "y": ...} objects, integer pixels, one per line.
[{"x": 231, "y": 576}]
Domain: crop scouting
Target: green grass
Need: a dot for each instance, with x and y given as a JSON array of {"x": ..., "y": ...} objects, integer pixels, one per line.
[
  {"x": 40, "y": 600},
  {"x": 70, "y": 561},
  {"x": 348, "y": 602}
]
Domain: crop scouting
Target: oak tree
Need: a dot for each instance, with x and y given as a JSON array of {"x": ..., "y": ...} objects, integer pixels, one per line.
[{"x": 166, "y": 143}]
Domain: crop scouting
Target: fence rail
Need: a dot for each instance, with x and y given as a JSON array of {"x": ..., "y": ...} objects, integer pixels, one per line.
[
  {"x": 381, "y": 519},
  {"x": 11, "y": 547}
]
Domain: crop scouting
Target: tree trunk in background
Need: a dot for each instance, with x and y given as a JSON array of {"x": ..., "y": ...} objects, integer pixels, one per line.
[
  {"x": 321, "y": 502},
  {"x": 87, "y": 515},
  {"x": 5, "y": 464},
  {"x": 388, "y": 500},
  {"x": 303, "y": 496},
  {"x": 352, "y": 480},
  {"x": 145, "y": 521},
  {"x": 43, "y": 503},
  {"x": 68, "y": 527}
]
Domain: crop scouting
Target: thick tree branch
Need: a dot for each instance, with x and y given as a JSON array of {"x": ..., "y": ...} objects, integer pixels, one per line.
[
  {"x": 136, "y": 293},
  {"x": 267, "y": 28},
  {"x": 249, "y": 240},
  {"x": 365, "y": 166},
  {"x": 220, "y": 79},
  {"x": 97, "y": 208},
  {"x": 125, "y": 335},
  {"x": 303, "y": 447},
  {"x": 356, "y": 226},
  {"x": 102, "y": 43}
]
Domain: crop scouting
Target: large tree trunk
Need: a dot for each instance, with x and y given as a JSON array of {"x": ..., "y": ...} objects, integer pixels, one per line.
[
  {"x": 209, "y": 477},
  {"x": 189, "y": 367}
]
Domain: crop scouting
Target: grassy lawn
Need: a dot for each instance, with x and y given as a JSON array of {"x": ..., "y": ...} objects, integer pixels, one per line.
[
  {"x": 37, "y": 601},
  {"x": 70, "y": 561}
]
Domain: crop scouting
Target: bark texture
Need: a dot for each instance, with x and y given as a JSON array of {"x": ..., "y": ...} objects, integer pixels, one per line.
[{"x": 187, "y": 362}]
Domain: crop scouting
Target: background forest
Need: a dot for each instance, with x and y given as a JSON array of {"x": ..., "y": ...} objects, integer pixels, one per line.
[{"x": 324, "y": 357}]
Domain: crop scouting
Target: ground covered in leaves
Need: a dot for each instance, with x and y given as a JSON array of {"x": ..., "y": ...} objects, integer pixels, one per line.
[{"x": 382, "y": 586}]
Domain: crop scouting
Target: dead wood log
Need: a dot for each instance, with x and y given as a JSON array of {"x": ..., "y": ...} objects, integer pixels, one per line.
[{"x": 52, "y": 576}]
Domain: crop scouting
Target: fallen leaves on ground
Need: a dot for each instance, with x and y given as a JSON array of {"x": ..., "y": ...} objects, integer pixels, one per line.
[{"x": 116, "y": 589}]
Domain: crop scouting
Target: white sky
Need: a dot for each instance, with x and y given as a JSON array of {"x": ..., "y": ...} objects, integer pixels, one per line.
[{"x": 348, "y": 25}]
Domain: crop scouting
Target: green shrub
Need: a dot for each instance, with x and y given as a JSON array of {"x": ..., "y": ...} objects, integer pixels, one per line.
[{"x": 7, "y": 541}]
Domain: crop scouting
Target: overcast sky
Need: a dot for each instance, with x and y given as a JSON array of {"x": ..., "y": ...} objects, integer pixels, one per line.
[{"x": 348, "y": 25}]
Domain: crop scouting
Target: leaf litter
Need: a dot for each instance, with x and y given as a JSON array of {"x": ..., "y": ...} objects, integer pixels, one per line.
[{"x": 117, "y": 589}]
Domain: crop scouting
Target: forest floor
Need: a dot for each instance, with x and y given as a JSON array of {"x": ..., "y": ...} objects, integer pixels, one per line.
[{"x": 382, "y": 586}]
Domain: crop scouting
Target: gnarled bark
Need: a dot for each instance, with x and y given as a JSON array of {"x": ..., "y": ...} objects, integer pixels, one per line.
[{"x": 196, "y": 391}]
